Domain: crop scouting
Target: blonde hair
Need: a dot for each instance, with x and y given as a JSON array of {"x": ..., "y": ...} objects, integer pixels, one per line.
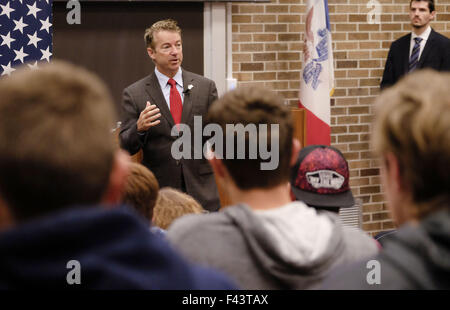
[
  {"x": 172, "y": 204},
  {"x": 166, "y": 24},
  {"x": 141, "y": 190},
  {"x": 413, "y": 123}
]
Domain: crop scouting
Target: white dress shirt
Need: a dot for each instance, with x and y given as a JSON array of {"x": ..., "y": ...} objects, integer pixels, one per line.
[
  {"x": 424, "y": 37},
  {"x": 165, "y": 87}
]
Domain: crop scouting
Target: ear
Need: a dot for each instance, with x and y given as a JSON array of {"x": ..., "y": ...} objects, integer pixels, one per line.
[
  {"x": 296, "y": 147},
  {"x": 433, "y": 15},
  {"x": 117, "y": 178},
  {"x": 151, "y": 53},
  {"x": 396, "y": 191},
  {"x": 217, "y": 166},
  {"x": 392, "y": 168}
]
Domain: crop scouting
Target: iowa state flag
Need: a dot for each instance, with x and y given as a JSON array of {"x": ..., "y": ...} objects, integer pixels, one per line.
[{"x": 317, "y": 79}]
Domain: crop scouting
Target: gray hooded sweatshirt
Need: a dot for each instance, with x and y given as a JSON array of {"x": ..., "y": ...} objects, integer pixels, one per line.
[{"x": 290, "y": 247}]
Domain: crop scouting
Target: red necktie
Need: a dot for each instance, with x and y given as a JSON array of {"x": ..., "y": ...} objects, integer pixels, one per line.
[{"x": 176, "y": 107}]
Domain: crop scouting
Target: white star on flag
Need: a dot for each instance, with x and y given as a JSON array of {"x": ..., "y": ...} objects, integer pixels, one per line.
[
  {"x": 7, "y": 39},
  {"x": 25, "y": 34},
  {"x": 20, "y": 55},
  {"x": 6, "y": 10},
  {"x": 33, "y": 39},
  {"x": 45, "y": 25},
  {"x": 32, "y": 9},
  {"x": 19, "y": 25},
  {"x": 7, "y": 69},
  {"x": 46, "y": 54}
]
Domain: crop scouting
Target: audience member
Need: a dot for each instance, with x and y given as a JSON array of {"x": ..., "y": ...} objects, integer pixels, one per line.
[
  {"x": 141, "y": 193},
  {"x": 321, "y": 179},
  {"x": 172, "y": 204},
  {"x": 264, "y": 241},
  {"x": 412, "y": 138},
  {"x": 60, "y": 177},
  {"x": 141, "y": 190}
]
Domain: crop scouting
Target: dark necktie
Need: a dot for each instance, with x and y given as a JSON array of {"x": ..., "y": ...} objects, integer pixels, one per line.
[
  {"x": 176, "y": 106},
  {"x": 414, "y": 59}
]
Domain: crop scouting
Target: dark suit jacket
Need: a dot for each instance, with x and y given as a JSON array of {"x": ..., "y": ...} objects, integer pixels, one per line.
[
  {"x": 435, "y": 55},
  {"x": 157, "y": 142}
]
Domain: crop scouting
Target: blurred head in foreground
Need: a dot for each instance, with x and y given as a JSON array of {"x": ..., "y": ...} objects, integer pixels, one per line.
[
  {"x": 412, "y": 138},
  {"x": 56, "y": 146}
]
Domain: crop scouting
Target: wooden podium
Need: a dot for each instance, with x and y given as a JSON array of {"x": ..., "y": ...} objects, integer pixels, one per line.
[{"x": 299, "y": 116}]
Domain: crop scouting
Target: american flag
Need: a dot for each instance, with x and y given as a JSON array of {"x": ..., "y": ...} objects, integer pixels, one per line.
[{"x": 25, "y": 33}]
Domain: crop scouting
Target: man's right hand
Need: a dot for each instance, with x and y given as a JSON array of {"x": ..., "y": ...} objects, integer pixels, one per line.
[{"x": 148, "y": 117}]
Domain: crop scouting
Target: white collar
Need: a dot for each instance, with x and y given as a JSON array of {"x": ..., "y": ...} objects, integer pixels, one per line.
[
  {"x": 163, "y": 79},
  {"x": 424, "y": 34}
]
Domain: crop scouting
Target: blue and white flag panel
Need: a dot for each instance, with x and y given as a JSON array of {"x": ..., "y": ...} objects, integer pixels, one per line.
[
  {"x": 317, "y": 82},
  {"x": 25, "y": 33}
]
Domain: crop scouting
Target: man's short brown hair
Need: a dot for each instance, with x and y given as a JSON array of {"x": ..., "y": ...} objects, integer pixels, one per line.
[
  {"x": 413, "y": 123},
  {"x": 254, "y": 105},
  {"x": 56, "y": 146},
  {"x": 430, "y": 4},
  {"x": 166, "y": 24},
  {"x": 172, "y": 204},
  {"x": 141, "y": 190}
]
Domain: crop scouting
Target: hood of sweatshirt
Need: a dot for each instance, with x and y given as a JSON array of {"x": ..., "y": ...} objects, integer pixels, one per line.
[
  {"x": 295, "y": 244},
  {"x": 421, "y": 253},
  {"x": 114, "y": 248}
]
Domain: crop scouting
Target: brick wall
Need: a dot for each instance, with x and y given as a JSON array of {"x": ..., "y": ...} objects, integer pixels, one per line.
[{"x": 267, "y": 45}]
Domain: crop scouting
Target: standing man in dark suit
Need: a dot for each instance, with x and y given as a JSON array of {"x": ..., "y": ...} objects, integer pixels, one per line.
[
  {"x": 423, "y": 48},
  {"x": 154, "y": 105}
]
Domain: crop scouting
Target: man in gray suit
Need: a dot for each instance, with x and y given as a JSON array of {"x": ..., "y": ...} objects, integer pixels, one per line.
[{"x": 168, "y": 97}]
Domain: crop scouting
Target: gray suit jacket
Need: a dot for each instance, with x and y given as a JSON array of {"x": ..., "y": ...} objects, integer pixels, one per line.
[{"x": 157, "y": 141}]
